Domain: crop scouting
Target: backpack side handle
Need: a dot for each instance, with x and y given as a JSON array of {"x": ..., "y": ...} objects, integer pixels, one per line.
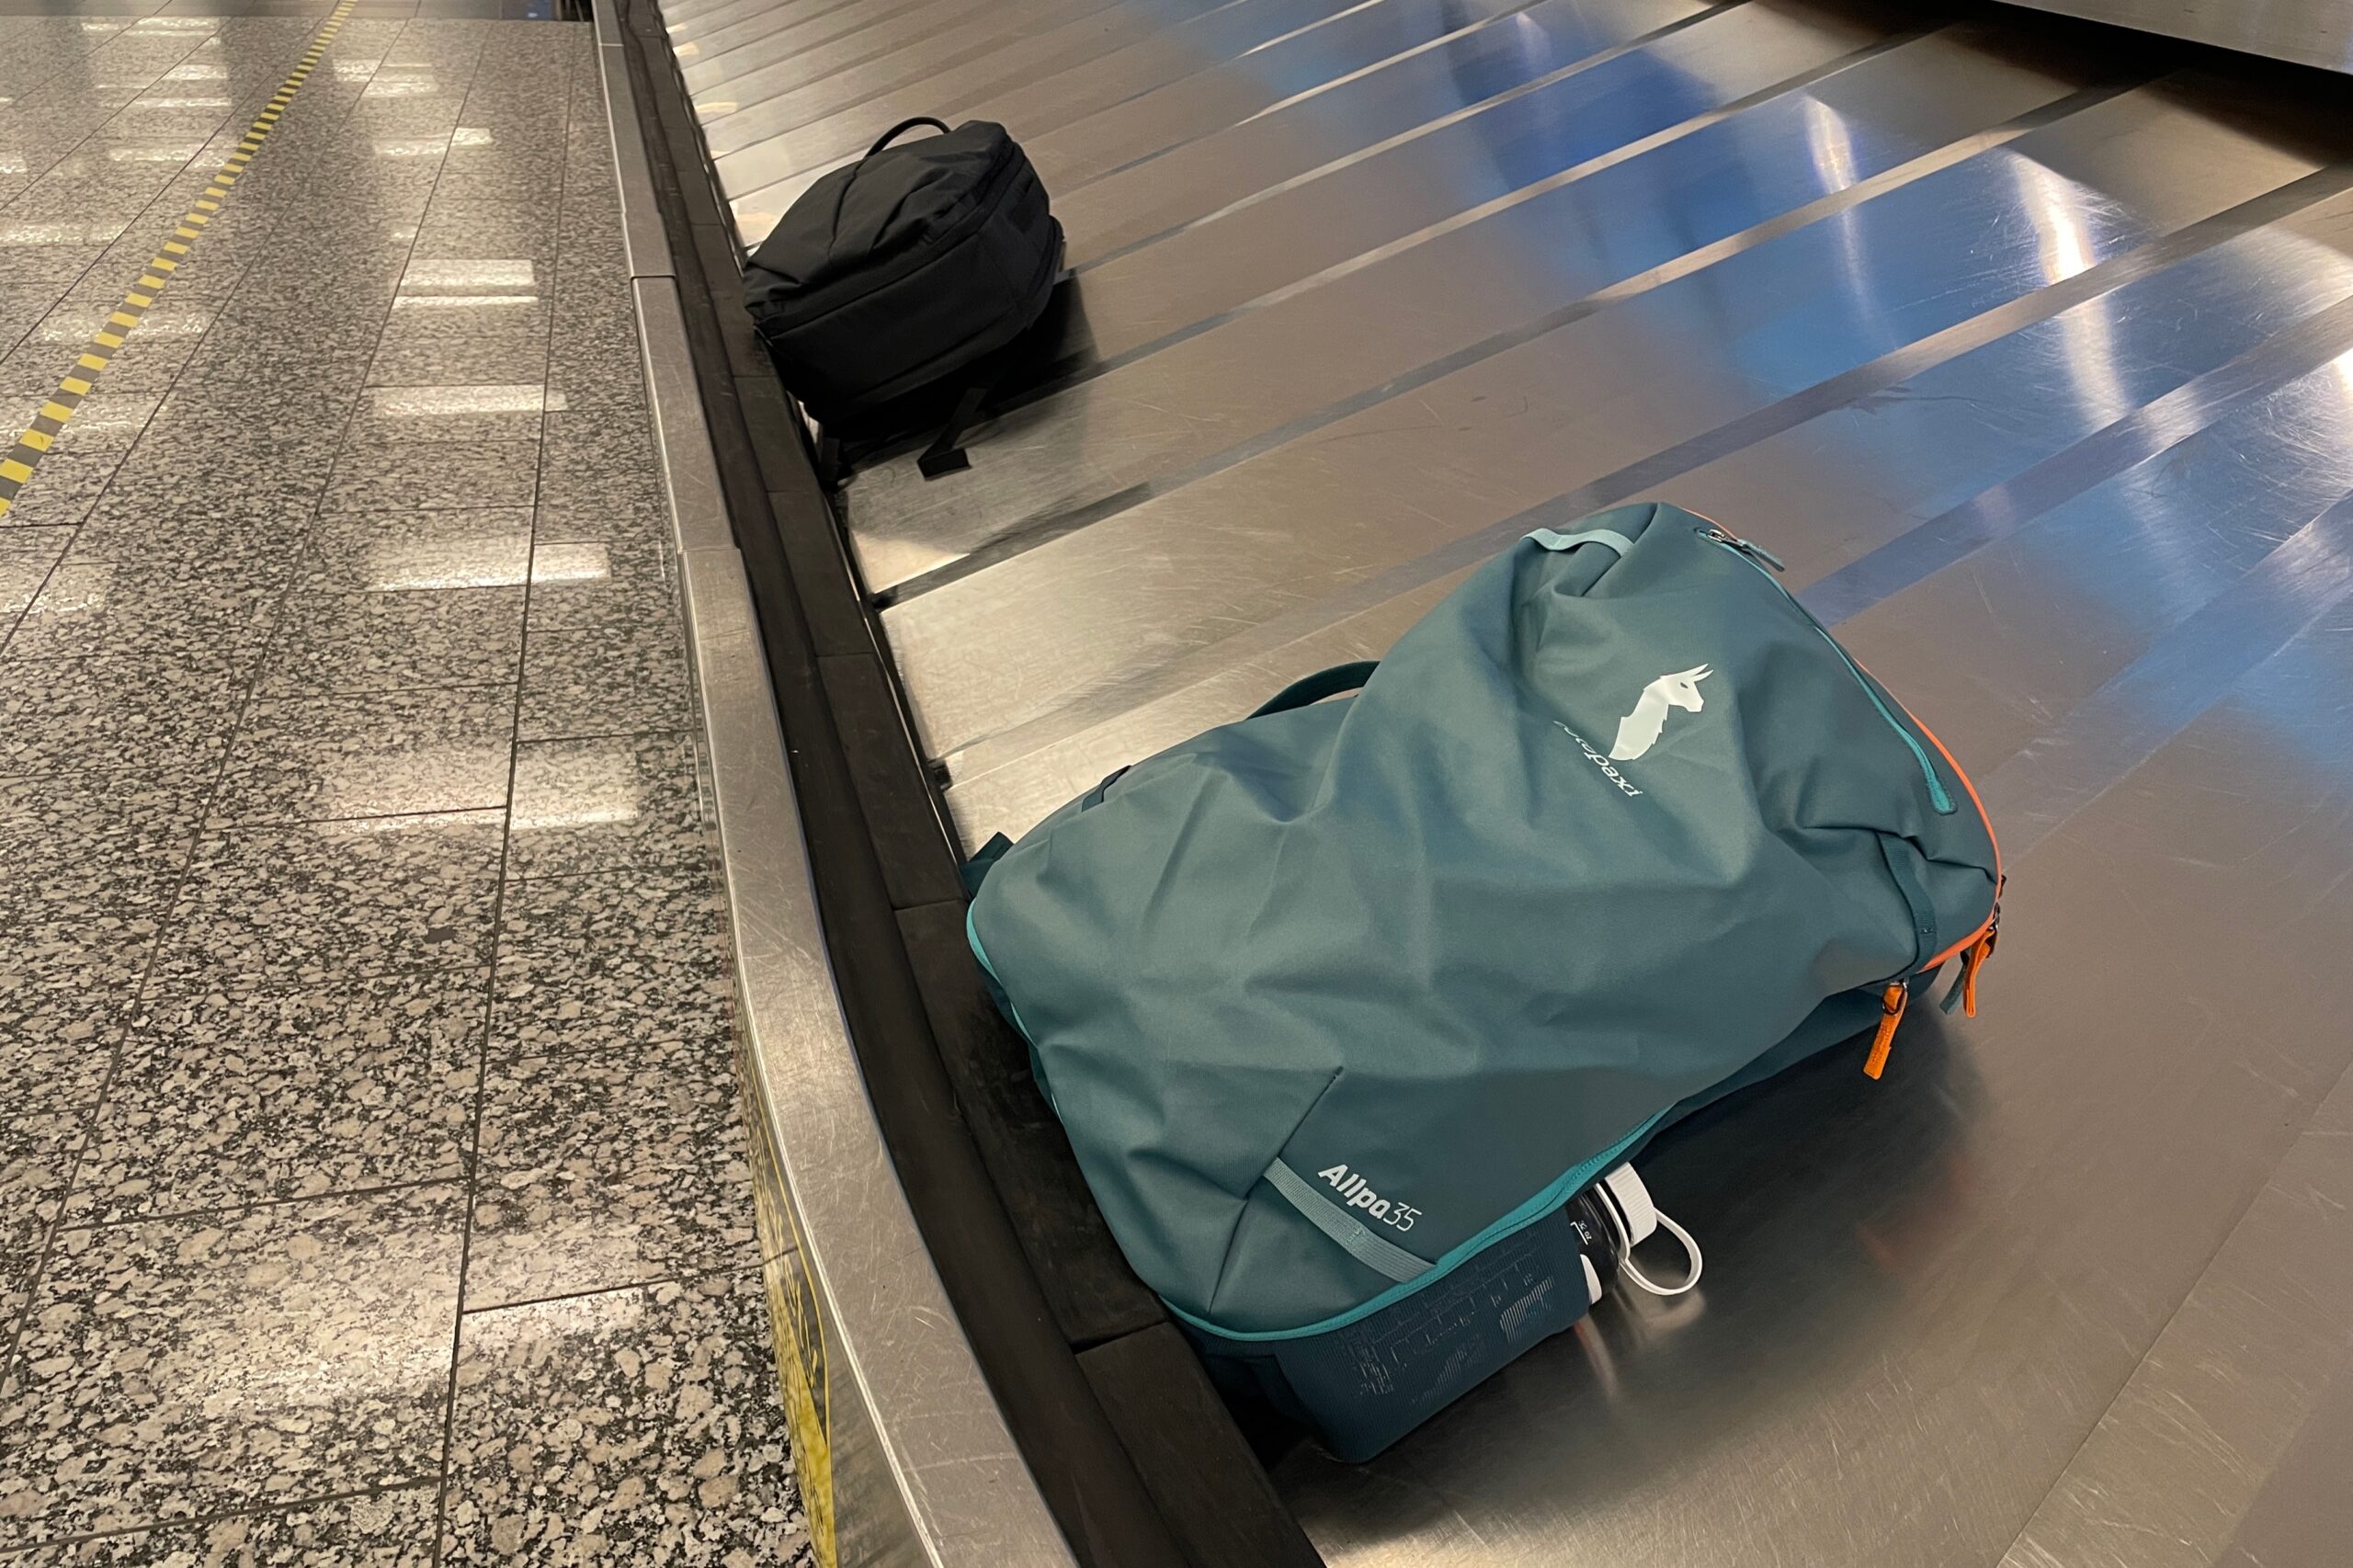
[
  {"x": 1317, "y": 686},
  {"x": 902, "y": 128}
]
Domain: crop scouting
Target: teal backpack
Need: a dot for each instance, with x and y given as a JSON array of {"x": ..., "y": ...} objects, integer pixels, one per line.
[{"x": 1351, "y": 1008}]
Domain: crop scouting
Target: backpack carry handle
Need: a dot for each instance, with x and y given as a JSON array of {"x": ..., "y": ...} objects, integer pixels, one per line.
[
  {"x": 902, "y": 128},
  {"x": 1317, "y": 686}
]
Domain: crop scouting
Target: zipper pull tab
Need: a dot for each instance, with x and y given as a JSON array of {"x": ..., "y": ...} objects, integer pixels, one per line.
[
  {"x": 1891, "y": 1003},
  {"x": 1962, "y": 993},
  {"x": 1979, "y": 956},
  {"x": 1756, "y": 553}
]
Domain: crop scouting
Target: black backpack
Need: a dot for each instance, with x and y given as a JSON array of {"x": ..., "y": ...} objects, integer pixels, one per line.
[{"x": 911, "y": 267}]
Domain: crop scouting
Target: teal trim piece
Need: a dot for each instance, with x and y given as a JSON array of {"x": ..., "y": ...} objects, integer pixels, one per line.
[
  {"x": 1574, "y": 1180},
  {"x": 1611, "y": 536},
  {"x": 1377, "y": 1253},
  {"x": 1937, "y": 795}
]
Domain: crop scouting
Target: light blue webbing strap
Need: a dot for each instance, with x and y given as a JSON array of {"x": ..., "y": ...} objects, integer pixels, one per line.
[
  {"x": 1611, "y": 536},
  {"x": 1379, "y": 1253}
]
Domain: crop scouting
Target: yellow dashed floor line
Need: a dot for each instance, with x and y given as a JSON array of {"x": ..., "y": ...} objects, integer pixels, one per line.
[{"x": 18, "y": 466}]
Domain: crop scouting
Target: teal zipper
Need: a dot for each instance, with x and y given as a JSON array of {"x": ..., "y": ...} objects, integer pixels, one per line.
[
  {"x": 1758, "y": 558},
  {"x": 1571, "y": 1182}
]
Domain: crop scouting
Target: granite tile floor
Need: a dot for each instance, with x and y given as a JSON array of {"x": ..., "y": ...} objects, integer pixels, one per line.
[{"x": 373, "y": 1176}]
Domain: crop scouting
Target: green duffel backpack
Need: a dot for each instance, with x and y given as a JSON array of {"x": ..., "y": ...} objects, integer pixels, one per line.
[{"x": 1348, "y": 1006}]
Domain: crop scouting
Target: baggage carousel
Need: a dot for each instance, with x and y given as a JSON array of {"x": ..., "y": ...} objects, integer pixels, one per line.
[{"x": 2027, "y": 343}]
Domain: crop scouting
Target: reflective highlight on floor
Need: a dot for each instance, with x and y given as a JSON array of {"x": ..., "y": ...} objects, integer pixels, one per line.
[
  {"x": 2030, "y": 349},
  {"x": 375, "y": 1177}
]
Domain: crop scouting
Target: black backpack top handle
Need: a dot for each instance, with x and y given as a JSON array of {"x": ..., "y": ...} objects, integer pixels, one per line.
[{"x": 901, "y": 128}]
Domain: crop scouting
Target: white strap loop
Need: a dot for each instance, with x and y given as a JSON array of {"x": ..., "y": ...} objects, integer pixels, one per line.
[{"x": 1612, "y": 1199}]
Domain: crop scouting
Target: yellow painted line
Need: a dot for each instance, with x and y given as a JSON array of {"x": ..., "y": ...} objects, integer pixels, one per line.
[{"x": 76, "y": 384}]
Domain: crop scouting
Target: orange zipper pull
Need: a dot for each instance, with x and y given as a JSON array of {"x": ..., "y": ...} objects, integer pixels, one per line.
[
  {"x": 1970, "y": 964},
  {"x": 1975, "y": 960},
  {"x": 1891, "y": 1003}
]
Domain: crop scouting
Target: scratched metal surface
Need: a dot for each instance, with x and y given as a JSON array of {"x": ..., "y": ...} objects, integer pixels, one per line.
[{"x": 2030, "y": 349}]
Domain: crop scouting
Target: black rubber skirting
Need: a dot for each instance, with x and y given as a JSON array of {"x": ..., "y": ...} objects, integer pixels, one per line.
[{"x": 1139, "y": 1461}]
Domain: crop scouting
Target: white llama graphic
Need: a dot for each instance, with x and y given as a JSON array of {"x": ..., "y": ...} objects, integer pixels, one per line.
[{"x": 1638, "y": 731}]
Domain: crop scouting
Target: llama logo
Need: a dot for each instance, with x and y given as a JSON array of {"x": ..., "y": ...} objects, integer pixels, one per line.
[{"x": 1639, "y": 731}]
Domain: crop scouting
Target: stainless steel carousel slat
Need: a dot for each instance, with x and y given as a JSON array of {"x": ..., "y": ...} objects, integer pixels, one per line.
[
  {"x": 719, "y": 48},
  {"x": 1685, "y": 87},
  {"x": 828, "y": 45},
  {"x": 1998, "y": 434},
  {"x": 2253, "y": 1365},
  {"x": 1875, "y": 120},
  {"x": 775, "y": 171},
  {"x": 1048, "y": 47},
  {"x": 1458, "y": 453},
  {"x": 1079, "y": 41},
  {"x": 1407, "y": 95},
  {"x": 2096, "y": 607},
  {"x": 782, "y": 95},
  {"x": 1351, "y": 44}
]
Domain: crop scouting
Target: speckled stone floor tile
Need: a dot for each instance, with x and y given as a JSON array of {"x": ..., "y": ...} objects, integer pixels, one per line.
[
  {"x": 65, "y": 487},
  {"x": 245, "y": 1094},
  {"x": 401, "y": 550},
  {"x": 109, "y": 715},
  {"x": 598, "y": 455},
  {"x": 594, "y": 362},
  {"x": 617, "y": 524},
  {"x": 439, "y": 341},
  {"x": 36, "y": 1153},
  {"x": 104, "y": 419},
  {"x": 591, "y": 961},
  {"x": 455, "y": 228},
  {"x": 440, "y": 415},
  {"x": 150, "y": 609},
  {"x": 60, "y": 1014},
  {"x": 212, "y": 531},
  {"x": 97, "y": 895},
  {"x": 419, "y": 475},
  {"x": 636, "y": 1426},
  {"x": 605, "y": 804},
  {"x": 384, "y": 1529},
  {"x": 368, "y": 896},
  {"x": 627, "y": 679},
  {"x": 25, "y": 557},
  {"x": 379, "y": 753},
  {"x": 187, "y": 1367},
  {"x": 56, "y": 812},
  {"x": 609, "y": 1169},
  {"x": 390, "y": 642},
  {"x": 589, "y": 584}
]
